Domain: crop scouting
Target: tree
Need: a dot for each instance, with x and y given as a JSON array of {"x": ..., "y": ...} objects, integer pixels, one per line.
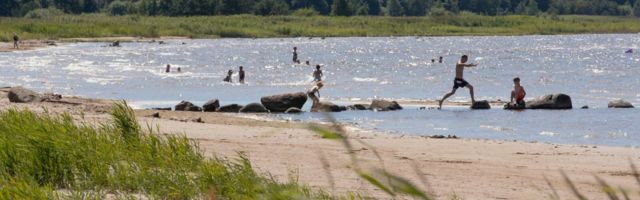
[
  {"x": 340, "y": 8},
  {"x": 395, "y": 9},
  {"x": 374, "y": 7},
  {"x": 416, "y": 7},
  {"x": 271, "y": 7},
  {"x": 363, "y": 10},
  {"x": 636, "y": 8}
]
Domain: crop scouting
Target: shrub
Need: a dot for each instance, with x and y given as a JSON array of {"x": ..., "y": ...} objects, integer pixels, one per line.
[{"x": 44, "y": 13}]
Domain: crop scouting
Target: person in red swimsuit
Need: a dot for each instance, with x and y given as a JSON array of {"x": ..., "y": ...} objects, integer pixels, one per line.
[{"x": 518, "y": 93}]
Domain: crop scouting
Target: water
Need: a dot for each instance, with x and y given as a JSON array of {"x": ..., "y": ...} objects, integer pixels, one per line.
[{"x": 593, "y": 69}]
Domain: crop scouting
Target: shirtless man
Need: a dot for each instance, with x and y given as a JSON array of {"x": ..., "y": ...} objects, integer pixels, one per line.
[
  {"x": 517, "y": 94},
  {"x": 295, "y": 55},
  {"x": 317, "y": 74},
  {"x": 241, "y": 75},
  {"x": 314, "y": 92},
  {"x": 459, "y": 81}
]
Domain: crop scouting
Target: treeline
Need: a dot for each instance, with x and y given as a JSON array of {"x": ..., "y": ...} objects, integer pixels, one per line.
[{"x": 19, "y": 8}]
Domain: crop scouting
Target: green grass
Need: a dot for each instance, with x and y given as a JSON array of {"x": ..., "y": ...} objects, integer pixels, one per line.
[
  {"x": 45, "y": 156},
  {"x": 249, "y": 26}
]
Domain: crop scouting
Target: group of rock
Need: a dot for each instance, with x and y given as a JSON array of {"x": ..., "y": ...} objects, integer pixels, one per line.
[
  {"x": 550, "y": 102},
  {"x": 283, "y": 103}
]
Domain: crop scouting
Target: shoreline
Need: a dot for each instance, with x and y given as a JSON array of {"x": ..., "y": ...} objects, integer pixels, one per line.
[{"x": 465, "y": 168}]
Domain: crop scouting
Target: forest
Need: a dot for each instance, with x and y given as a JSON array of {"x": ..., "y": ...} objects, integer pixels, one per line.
[{"x": 20, "y": 8}]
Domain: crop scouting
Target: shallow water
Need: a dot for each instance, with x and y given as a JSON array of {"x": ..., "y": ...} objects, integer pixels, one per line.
[{"x": 593, "y": 69}]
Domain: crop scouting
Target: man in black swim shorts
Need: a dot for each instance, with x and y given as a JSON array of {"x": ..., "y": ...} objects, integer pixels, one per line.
[{"x": 459, "y": 81}]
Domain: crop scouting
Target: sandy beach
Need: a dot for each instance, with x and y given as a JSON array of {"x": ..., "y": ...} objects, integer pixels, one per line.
[{"x": 447, "y": 168}]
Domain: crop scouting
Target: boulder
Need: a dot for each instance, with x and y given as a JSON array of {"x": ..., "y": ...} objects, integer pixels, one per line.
[
  {"x": 358, "y": 107},
  {"x": 293, "y": 110},
  {"x": 326, "y": 107},
  {"x": 23, "y": 95},
  {"x": 481, "y": 105},
  {"x": 211, "y": 105},
  {"x": 384, "y": 105},
  {"x": 619, "y": 104},
  {"x": 512, "y": 106},
  {"x": 187, "y": 106},
  {"x": 551, "y": 101},
  {"x": 282, "y": 102},
  {"x": 232, "y": 108},
  {"x": 253, "y": 108},
  {"x": 167, "y": 108}
]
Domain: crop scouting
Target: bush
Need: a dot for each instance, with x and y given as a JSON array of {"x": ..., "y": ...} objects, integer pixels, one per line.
[
  {"x": 43, "y": 13},
  {"x": 306, "y": 12}
]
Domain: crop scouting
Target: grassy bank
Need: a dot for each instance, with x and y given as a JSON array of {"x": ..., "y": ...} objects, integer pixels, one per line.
[
  {"x": 46, "y": 156},
  {"x": 79, "y": 26}
]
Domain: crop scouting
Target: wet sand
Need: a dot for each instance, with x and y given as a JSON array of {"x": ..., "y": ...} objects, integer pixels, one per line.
[{"x": 466, "y": 168}]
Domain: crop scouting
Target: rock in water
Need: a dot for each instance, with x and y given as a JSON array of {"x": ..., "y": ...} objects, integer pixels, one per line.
[
  {"x": 253, "y": 108},
  {"x": 551, "y": 101},
  {"x": 23, "y": 95},
  {"x": 293, "y": 110},
  {"x": 358, "y": 107},
  {"x": 384, "y": 105},
  {"x": 231, "y": 108},
  {"x": 211, "y": 105},
  {"x": 326, "y": 107},
  {"x": 481, "y": 105},
  {"x": 187, "y": 106},
  {"x": 282, "y": 102},
  {"x": 619, "y": 104}
]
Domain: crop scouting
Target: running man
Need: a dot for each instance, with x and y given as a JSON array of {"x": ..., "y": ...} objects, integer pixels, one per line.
[
  {"x": 16, "y": 39},
  {"x": 317, "y": 74},
  {"x": 459, "y": 81}
]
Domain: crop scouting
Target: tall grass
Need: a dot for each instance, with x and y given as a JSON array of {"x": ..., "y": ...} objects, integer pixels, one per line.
[
  {"x": 45, "y": 156},
  {"x": 249, "y": 26}
]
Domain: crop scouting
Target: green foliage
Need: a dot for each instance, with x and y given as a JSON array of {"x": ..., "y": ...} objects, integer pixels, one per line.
[
  {"x": 271, "y": 7},
  {"x": 43, "y": 154},
  {"x": 43, "y": 13},
  {"x": 636, "y": 8},
  {"x": 305, "y": 12},
  {"x": 394, "y": 8},
  {"x": 340, "y": 8}
]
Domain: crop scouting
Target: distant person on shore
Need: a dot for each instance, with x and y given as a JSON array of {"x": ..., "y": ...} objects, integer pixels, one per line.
[
  {"x": 440, "y": 59},
  {"x": 315, "y": 90},
  {"x": 317, "y": 74},
  {"x": 295, "y": 55},
  {"x": 168, "y": 69},
  {"x": 241, "y": 75},
  {"x": 459, "y": 81},
  {"x": 179, "y": 70},
  {"x": 228, "y": 78},
  {"x": 517, "y": 94},
  {"x": 16, "y": 39}
]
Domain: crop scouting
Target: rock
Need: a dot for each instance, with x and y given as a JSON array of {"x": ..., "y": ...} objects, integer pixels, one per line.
[
  {"x": 167, "y": 108},
  {"x": 326, "y": 107},
  {"x": 211, "y": 105},
  {"x": 484, "y": 104},
  {"x": 512, "y": 106},
  {"x": 551, "y": 101},
  {"x": 293, "y": 110},
  {"x": 253, "y": 108},
  {"x": 282, "y": 102},
  {"x": 232, "y": 108},
  {"x": 585, "y": 107},
  {"x": 358, "y": 107},
  {"x": 155, "y": 115},
  {"x": 619, "y": 104},
  {"x": 384, "y": 105},
  {"x": 51, "y": 97},
  {"x": 196, "y": 120},
  {"x": 187, "y": 106},
  {"x": 23, "y": 95}
]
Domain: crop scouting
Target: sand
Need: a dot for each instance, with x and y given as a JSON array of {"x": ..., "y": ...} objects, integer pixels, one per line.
[{"x": 446, "y": 168}]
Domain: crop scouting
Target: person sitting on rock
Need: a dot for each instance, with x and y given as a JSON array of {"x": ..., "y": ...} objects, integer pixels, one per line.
[
  {"x": 517, "y": 94},
  {"x": 317, "y": 74},
  {"x": 16, "y": 39},
  {"x": 315, "y": 90},
  {"x": 228, "y": 78}
]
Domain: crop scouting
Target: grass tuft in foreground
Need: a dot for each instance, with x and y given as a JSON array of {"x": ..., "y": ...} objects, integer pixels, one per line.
[{"x": 46, "y": 156}]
